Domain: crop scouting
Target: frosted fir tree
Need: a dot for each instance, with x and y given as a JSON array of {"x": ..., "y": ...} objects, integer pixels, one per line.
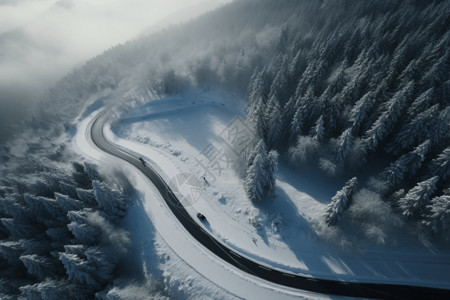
[
  {"x": 413, "y": 203},
  {"x": 255, "y": 179},
  {"x": 256, "y": 118},
  {"x": 296, "y": 126},
  {"x": 385, "y": 124},
  {"x": 274, "y": 121},
  {"x": 421, "y": 103},
  {"x": 54, "y": 289},
  {"x": 260, "y": 89},
  {"x": 440, "y": 166},
  {"x": 111, "y": 201},
  {"x": 271, "y": 169},
  {"x": 425, "y": 125},
  {"x": 79, "y": 270},
  {"x": 87, "y": 197},
  {"x": 67, "y": 203},
  {"x": 11, "y": 251},
  {"x": 360, "y": 112},
  {"x": 439, "y": 70},
  {"x": 437, "y": 216},
  {"x": 36, "y": 246},
  {"x": 68, "y": 189},
  {"x": 21, "y": 230},
  {"x": 287, "y": 115},
  {"x": 405, "y": 166},
  {"x": 259, "y": 149},
  {"x": 104, "y": 261},
  {"x": 318, "y": 130},
  {"x": 344, "y": 145},
  {"x": 45, "y": 207},
  {"x": 298, "y": 64},
  {"x": 84, "y": 233},
  {"x": 280, "y": 83},
  {"x": 340, "y": 202},
  {"x": 39, "y": 266},
  {"x": 80, "y": 176},
  {"x": 13, "y": 208},
  {"x": 76, "y": 249}
]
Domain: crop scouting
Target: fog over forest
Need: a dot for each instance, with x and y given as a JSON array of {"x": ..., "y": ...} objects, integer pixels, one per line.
[{"x": 42, "y": 40}]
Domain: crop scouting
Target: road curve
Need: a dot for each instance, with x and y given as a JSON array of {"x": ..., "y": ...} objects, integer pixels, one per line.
[{"x": 324, "y": 286}]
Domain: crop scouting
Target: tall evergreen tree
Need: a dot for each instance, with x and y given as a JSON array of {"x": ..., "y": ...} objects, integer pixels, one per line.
[
  {"x": 405, "y": 166},
  {"x": 343, "y": 146},
  {"x": 437, "y": 217},
  {"x": 360, "y": 112},
  {"x": 417, "y": 198},
  {"x": 273, "y": 121},
  {"x": 385, "y": 124},
  {"x": 340, "y": 202},
  {"x": 440, "y": 166}
]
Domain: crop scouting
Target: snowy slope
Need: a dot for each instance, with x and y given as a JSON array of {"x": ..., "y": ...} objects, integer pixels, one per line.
[
  {"x": 164, "y": 249},
  {"x": 175, "y": 134}
]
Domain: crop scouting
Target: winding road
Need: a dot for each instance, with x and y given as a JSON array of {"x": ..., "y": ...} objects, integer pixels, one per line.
[{"x": 324, "y": 286}]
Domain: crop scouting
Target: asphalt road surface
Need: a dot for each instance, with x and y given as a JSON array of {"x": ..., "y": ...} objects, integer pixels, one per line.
[{"x": 324, "y": 286}]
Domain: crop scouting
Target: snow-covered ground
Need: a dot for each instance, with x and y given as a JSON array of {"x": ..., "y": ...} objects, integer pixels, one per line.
[
  {"x": 190, "y": 134},
  {"x": 163, "y": 249}
]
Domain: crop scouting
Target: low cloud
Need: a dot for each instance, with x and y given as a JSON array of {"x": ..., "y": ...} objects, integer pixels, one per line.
[{"x": 42, "y": 40}]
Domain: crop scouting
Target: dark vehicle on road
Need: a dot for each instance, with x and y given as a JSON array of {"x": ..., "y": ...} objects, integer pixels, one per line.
[
  {"x": 201, "y": 217},
  {"x": 142, "y": 161}
]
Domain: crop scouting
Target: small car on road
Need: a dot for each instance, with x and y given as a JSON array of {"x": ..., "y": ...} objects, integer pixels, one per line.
[
  {"x": 201, "y": 217},
  {"x": 142, "y": 161}
]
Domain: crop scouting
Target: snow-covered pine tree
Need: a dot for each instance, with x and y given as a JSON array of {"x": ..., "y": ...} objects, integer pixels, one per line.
[
  {"x": 295, "y": 129},
  {"x": 437, "y": 215},
  {"x": 103, "y": 260},
  {"x": 256, "y": 120},
  {"x": 426, "y": 125},
  {"x": 344, "y": 145},
  {"x": 40, "y": 266},
  {"x": 317, "y": 130},
  {"x": 360, "y": 112},
  {"x": 421, "y": 103},
  {"x": 386, "y": 122},
  {"x": 298, "y": 64},
  {"x": 273, "y": 121},
  {"x": 255, "y": 179},
  {"x": 67, "y": 203},
  {"x": 45, "y": 207},
  {"x": 440, "y": 166},
  {"x": 79, "y": 270},
  {"x": 405, "y": 166},
  {"x": 287, "y": 115},
  {"x": 36, "y": 246},
  {"x": 413, "y": 203},
  {"x": 80, "y": 176},
  {"x": 54, "y": 289},
  {"x": 11, "y": 251},
  {"x": 260, "y": 148},
  {"x": 271, "y": 168},
  {"x": 112, "y": 202},
  {"x": 438, "y": 71},
  {"x": 68, "y": 189},
  {"x": 340, "y": 202},
  {"x": 21, "y": 229},
  {"x": 279, "y": 84},
  {"x": 87, "y": 197}
]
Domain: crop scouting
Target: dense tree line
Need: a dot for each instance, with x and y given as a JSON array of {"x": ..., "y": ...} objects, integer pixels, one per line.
[
  {"x": 371, "y": 85},
  {"x": 59, "y": 236}
]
